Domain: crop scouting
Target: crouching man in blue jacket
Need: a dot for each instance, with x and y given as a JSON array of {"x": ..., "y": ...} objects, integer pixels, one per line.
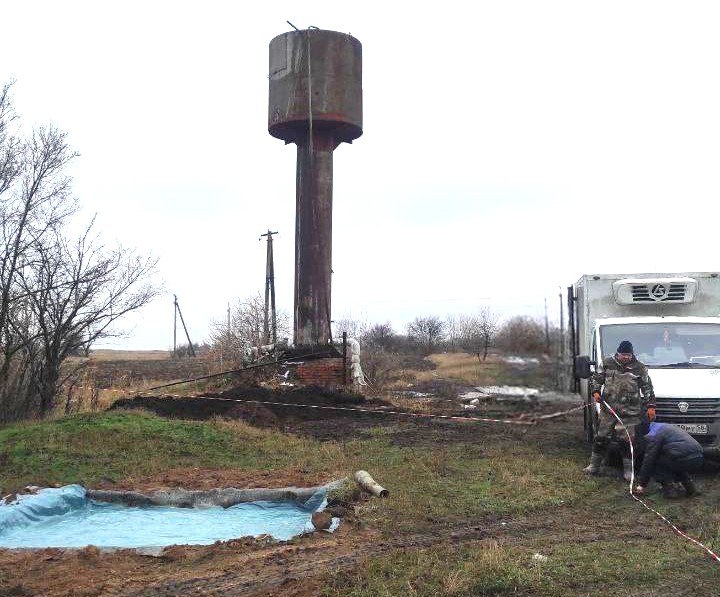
[{"x": 669, "y": 455}]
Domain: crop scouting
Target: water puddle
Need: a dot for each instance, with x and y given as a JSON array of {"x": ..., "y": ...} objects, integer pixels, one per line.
[{"x": 64, "y": 517}]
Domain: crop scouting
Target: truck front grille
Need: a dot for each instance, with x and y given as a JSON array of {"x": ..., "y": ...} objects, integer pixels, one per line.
[{"x": 700, "y": 410}]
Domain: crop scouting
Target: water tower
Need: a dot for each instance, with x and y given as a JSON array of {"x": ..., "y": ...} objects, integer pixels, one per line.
[{"x": 316, "y": 103}]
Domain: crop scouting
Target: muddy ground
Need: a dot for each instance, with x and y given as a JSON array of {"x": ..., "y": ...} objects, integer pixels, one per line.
[{"x": 296, "y": 568}]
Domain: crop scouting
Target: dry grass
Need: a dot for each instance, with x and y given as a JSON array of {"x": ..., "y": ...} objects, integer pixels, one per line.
[
  {"x": 602, "y": 567},
  {"x": 109, "y": 375},
  {"x": 487, "y": 568},
  {"x": 85, "y": 396},
  {"x": 463, "y": 367},
  {"x": 107, "y": 354},
  {"x": 414, "y": 405}
]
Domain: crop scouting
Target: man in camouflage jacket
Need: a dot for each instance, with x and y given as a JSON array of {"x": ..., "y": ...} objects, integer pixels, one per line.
[{"x": 629, "y": 391}]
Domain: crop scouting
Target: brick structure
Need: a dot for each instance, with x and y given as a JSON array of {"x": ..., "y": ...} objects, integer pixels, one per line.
[{"x": 326, "y": 373}]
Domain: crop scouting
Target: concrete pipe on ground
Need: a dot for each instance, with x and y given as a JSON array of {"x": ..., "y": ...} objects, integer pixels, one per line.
[{"x": 366, "y": 482}]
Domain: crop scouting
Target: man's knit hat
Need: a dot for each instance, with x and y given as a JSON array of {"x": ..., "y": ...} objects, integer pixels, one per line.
[{"x": 625, "y": 347}]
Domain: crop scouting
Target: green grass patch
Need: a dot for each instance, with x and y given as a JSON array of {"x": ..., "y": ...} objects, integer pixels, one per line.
[
  {"x": 462, "y": 483},
  {"x": 90, "y": 447},
  {"x": 490, "y": 568},
  {"x": 487, "y": 570}
]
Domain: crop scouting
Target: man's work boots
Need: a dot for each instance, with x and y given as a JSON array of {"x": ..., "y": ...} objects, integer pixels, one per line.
[
  {"x": 670, "y": 491},
  {"x": 627, "y": 469},
  {"x": 711, "y": 453},
  {"x": 595, "y": 464},
  {"x": 690, "y": 487}
]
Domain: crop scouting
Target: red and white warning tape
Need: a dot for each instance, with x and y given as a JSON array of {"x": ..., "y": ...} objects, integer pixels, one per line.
[
  {"x": 374, "y": 411},
  {"x": 644, "y": 503}
]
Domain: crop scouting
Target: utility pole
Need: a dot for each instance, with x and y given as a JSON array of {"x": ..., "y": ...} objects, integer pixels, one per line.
[
  {"x": 561, "y": 351},
  {"x": 270, "y": 327},
  {"x": 175, "y": 326},
  {"x": 225, "y": 342},
  {"x": 547, "y": 330},
  {"x": 179, "y": 312}
]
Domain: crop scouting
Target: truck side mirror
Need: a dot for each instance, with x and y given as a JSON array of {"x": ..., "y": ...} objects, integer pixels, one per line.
[{"x": 582, "y": 367}]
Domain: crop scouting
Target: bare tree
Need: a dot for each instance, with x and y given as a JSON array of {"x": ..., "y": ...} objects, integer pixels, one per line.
[
  {"x": 522, "y": 335},
  {"x": 34, "y": 196},
  {"x": 354, "y": 328},
  {"x": 381, "y": 335},
  {"x": 452, "y": 330},
  {"x": 76, "y": 290},
  {"x": 56, "y": 295},
  {"x": 487, "y": 328},
  {"x": 10, "y": 144},
  {"x": 477, "y": 332},
  {"x": 427, "y": 332}
]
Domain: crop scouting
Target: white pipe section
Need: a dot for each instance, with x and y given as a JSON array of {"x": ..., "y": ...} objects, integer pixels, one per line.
[{"x": 366, "y": 482}]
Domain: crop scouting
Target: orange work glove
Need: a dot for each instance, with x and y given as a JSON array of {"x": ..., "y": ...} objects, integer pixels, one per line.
[
  {"x": 651, "y": 413},
  {"x": 597, "y": 397}
]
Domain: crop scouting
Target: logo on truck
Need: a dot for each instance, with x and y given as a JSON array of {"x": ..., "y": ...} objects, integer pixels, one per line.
[
  {"x": 659, "y": 292},
  {"x": 683, "y": 407}
]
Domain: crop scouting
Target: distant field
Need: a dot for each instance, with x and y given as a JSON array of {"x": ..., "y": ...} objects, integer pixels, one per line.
[
  {"x": 467, "y": 368},
  {"x": 107, "y": 354},
  {"x": 111, "y": 374}
]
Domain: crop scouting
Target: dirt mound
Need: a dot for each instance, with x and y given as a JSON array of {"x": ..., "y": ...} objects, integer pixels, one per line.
[
  {"x": 303, "y": 395},
  {"x": 254, "y": 414},
  {"x": 257, "y": 405}
]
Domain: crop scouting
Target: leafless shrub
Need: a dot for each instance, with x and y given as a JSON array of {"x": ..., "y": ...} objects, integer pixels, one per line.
[
  {"x": 354, "y": 328},
  {"x": 477, "y": 332},
  {"x": 380, "y": 366},
  {"x": 522, "y": 335},
  {"x": 426, "y": 332},
  {"x": 94, "y": 397},
  {"x": 245, "y": 328},
  {"x": 380, "y": 335}
]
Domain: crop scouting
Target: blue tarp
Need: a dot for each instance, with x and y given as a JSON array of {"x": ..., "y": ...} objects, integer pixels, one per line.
[{"x": 64, "y": 517}]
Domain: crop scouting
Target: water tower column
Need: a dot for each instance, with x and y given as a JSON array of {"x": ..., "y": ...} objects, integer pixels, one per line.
[{"x": 313, "y": 239}]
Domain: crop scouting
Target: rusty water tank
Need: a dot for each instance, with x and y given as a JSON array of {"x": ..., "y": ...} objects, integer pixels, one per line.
[
  {"x": 328, "y": 86},
  {"x": 315, "y": 102}
]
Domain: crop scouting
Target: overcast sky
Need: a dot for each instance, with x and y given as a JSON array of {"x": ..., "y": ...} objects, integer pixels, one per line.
[{"x": 508, "y": 147}]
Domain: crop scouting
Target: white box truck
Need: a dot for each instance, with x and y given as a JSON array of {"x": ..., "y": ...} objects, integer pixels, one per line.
[{"x": 673, "y": 322}]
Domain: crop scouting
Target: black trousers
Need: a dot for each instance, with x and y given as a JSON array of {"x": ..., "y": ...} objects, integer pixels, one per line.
[{"x": 669, "y": 470}]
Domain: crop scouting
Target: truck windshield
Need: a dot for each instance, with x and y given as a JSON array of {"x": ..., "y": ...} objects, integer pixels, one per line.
[{"x": 681, "y": 345}]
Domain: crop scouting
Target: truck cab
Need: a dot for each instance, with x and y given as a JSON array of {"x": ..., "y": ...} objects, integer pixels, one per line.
[{"x": 672, "y": 321}]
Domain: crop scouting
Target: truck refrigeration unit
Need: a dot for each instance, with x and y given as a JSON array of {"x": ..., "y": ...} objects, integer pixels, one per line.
[{"x": 673, "y": 322}]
